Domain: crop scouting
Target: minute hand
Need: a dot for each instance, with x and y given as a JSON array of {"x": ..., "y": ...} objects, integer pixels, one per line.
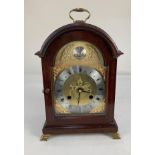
[{"x": 78, "y": 98}]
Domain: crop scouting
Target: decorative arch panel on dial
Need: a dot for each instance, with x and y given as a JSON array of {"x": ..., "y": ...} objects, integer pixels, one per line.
[{"x": 80, "y": 80}]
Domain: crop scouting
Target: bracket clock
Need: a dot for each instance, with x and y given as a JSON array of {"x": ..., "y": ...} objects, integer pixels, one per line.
[{"x": 79, "y": 63}]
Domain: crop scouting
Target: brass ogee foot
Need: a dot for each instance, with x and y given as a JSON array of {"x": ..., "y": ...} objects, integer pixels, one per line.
[
  {"x": 44, "y": 137},
  {"x": 116, "y": 135}
]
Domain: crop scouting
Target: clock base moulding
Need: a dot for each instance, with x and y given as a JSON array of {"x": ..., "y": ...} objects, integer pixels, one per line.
[
  {"x": 68, "y": 129},
  {"x": 45, "y": 137}
]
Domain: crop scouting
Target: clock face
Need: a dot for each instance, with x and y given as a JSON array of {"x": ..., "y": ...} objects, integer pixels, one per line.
[{"x": 80, "y": 90}]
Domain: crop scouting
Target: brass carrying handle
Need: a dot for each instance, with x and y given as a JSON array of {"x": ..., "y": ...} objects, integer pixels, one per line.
[{"x": 79, "y": 10}]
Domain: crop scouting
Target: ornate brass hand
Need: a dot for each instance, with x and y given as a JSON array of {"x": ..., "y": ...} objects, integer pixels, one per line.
[
  {"x": 79, "y": 97},
  {"x": 79, "y": 90},
  {"x": 86, "y": 91}
]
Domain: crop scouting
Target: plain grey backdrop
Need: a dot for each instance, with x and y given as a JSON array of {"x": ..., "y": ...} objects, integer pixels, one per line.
[{"x": 41, "y": 18}]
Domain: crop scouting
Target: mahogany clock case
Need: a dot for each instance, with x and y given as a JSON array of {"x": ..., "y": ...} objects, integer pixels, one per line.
[{"x": 79, "y": 31}]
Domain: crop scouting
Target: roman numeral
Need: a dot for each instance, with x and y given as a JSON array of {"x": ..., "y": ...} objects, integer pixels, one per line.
[
  {"x": 59, "y": 90},
  {"x": 69, "y": 72},
  {"x": 98, "y": 98},
  {"x": 62, "y": 99}
]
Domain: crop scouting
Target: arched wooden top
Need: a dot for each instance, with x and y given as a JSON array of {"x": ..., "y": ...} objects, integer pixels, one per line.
[{"x": 84, "y": 27}]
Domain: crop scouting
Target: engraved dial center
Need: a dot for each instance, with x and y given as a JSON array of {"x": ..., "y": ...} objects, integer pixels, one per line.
[{"x": 79, "y": 85}]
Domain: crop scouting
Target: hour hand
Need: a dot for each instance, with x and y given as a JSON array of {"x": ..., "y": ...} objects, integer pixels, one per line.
[{"x": 86, "y": 91}]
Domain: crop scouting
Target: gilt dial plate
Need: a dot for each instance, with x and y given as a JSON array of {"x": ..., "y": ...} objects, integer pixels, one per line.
[{"x": 80, "y": 90}]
